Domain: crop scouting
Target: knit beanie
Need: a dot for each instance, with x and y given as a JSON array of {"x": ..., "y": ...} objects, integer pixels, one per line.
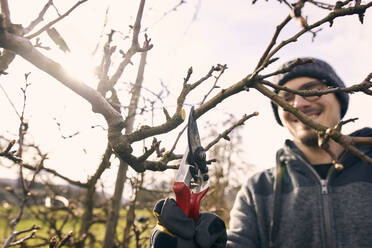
[{"x": 318, "y": 69}]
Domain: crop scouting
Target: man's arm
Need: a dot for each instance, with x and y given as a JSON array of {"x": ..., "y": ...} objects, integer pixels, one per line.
[{"x": 243, "y": 229}]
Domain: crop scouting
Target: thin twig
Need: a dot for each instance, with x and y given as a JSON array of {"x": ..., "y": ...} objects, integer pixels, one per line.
[
  {"x": 9, "y": 243},
  {"x": 222, "y": 69},
  {"x": 261, "y": 64},
  {"x": 321, "y": 5},
  {"x": 185, "y": 91},
  {"x": 225, "y": 133},
  {"x": 39, "y": 19},
  {"x": 173, "y": 9},
  {"x": 329, "y": 18},
  {"x": 361, "y": 87},
  {"x": 10, "y": 155},
  {"x": 133, "y": 49},
  {"x": 10, "y": 101},
  {"x": 50, "y": 24},
  {"x": 344, "y": 140}
]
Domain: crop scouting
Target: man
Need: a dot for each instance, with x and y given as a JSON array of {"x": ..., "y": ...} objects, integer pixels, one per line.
[{"x": 304, "y": 201}]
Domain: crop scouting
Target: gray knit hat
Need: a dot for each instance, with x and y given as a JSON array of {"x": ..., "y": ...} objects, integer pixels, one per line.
[{"x": 318, "y": 69}]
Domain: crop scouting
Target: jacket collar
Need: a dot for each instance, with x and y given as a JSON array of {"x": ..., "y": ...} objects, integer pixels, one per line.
[{"x": 290, "y": 152}]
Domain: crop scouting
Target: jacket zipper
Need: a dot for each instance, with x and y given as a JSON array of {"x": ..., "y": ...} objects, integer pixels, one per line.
[
  {"x": 327, "y": 216},
  {"x": 325, "y": 202}
]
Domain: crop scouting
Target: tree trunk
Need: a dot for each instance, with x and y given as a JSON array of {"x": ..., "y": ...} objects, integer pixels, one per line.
[{"x": 123, "y": 167}]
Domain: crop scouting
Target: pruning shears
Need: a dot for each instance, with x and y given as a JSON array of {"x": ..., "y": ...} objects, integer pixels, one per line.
[{"x": 191, "y": 183}]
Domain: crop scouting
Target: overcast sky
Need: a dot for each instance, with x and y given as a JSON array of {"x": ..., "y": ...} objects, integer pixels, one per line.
[{"x": 198, "y": 34}]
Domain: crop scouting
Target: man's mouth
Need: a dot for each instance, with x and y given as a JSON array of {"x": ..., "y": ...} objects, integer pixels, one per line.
[{"x": 313, "y": 115}]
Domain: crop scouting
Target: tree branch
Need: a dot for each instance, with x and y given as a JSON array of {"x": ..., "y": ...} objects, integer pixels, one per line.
[
  {"x": 50, "y": 24},
  {"x": 9, "y": 243},
  {"x": 178, "y": 116},
  {"x": 261, "y": 65},
  {"x": 329, "y": 18},
  {"x": 10, "y": 155},
  {"x": 344, "y": 140},
  {"x": 361, "y": 87},
  {"x": 225, "y": 133},
  {"x": 133, "y": 49},
  {"x": 5, "y": 11},
  {"x": 24, "y": 48},
  {"x": 39, "y": 19}
]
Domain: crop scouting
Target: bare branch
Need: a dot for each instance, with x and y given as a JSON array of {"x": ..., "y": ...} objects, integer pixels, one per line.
[
  {"x": 288, "y": 68},
  {"x": 362, "y": 87},
  {"x": 225, "y": 133},
  {"x": 261, "y": 65},
  {"x": 50, "y": 24},
  {"x": 39, "y": 19},
  {"x": 137, "y": 24},
  {"x": 23, "y": 126},
  {"x": 14, "y": 222},
  {"x": 25, "y": 49},
  {"x": 102, "y": 71},
  {"x": 322, "y": 5},
  {"x": 10, "y": 155},
  {"x": 344, "y": 140},
  {"x": 136, "y": 92},
  {"x": 65, "y": 240},
  {"x": 178, "y": 116},
  {"x": 133, "y": 49},
  {"x": 155, "y": 144},
  {"x": 21, "y": 241},
  {"x": 221, "y": 69},
  {"x": 329, "y": 18},
  {"x": 55, "y": 173},
  {"x": 166, "y": 13},
  {"x": 10, "y": 101},
  {"x": 9, "y": 243},
  {"x": 361, "y": 140},
  {"x": 5, "y": 11},
  {"x": 6, "y": 57}
]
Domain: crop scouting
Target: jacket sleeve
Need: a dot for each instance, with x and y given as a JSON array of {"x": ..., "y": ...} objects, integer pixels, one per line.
[{"x": 243, "y": 229}]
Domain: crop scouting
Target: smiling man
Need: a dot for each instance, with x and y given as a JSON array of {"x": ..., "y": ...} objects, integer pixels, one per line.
[
  {"x": 302, "y": 202},
  {"x": 326, "y": 109},
  {"x": 305, "y": 201}
]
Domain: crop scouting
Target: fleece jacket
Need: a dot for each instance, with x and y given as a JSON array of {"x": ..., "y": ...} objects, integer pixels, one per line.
[{"x": 299, "y": 209}]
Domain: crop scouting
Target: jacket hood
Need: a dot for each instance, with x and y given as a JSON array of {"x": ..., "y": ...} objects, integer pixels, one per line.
[
  {"x": 364, "y": 132},
  {"x": 289, "y": 150}
]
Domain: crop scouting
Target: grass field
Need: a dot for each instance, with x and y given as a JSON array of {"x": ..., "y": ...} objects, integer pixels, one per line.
[{"x": 61, "y": 218}]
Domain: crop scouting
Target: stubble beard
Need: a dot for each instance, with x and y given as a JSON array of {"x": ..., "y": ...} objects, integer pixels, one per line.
[{"x": 310, "y": 140}]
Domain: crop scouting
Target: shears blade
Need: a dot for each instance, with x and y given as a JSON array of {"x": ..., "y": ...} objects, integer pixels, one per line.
[{"x": 191, "y": 182}]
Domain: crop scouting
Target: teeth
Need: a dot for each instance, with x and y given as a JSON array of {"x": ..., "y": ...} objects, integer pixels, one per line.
[{"x": 314, "y": 115}]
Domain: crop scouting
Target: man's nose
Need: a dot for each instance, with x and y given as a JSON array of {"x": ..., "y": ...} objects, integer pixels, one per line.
[{"x": 300, "y": 102}]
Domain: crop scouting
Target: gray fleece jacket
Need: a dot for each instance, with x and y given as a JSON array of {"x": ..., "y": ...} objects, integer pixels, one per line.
[{"x": 309, "y": 211}]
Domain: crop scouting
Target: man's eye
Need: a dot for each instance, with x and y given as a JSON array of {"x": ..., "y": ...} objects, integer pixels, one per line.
[{"x": 288, "y": 97}]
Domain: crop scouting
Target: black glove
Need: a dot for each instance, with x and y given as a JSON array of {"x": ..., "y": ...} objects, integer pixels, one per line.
[
  {"x": 210, "y": 231},
  {"x": 175, "y": 229}
]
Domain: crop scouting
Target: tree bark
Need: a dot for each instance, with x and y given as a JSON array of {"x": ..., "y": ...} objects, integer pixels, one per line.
[{"x": 123, "y": 167}]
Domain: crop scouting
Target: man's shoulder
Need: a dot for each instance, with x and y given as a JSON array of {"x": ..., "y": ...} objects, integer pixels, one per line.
[
  {"x": 261, "y": 182},
  {"x": 363, "y": 132}
]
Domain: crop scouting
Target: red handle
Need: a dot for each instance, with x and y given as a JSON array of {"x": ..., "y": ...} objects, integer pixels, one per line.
[
  {"x": 195, "y": 203},
  {"x": 183, "y": 196},
  {"x": 188, "y": 201}
]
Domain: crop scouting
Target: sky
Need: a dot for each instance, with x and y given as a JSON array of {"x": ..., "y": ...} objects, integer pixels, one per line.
[{"x": 198, "y": 34}]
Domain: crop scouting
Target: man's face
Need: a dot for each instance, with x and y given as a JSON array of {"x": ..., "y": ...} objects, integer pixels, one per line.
[{"x": 324, "y": 110}]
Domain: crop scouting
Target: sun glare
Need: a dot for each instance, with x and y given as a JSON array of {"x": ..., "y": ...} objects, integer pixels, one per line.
[{"x": 80, "y": 66}]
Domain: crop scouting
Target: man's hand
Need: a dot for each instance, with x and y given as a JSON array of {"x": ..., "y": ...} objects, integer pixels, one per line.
[{"x": 174, "y": 229}]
